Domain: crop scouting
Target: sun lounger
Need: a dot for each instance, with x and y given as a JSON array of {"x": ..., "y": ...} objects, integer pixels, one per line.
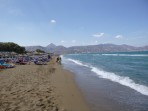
[
  {"x": 7, "y": 65},
  {"x": 39, "y": 63},
  {"x": 2, "y": 67}
]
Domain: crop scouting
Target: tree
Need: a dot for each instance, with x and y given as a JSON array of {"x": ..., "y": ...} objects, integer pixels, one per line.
[{"x": 11, "y": 47}]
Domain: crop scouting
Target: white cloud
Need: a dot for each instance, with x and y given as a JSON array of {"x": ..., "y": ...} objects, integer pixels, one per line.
[
  {"x": 73, "y": 41},
  {"x": 53, "y": 21},
  {"x": 118, "y": 36},
  {"x": 98, "y": 35},
  {"x": 62, "y": 41}
]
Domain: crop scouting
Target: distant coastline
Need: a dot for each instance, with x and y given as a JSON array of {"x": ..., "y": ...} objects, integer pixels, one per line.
[{"x": 87, "y": 49}]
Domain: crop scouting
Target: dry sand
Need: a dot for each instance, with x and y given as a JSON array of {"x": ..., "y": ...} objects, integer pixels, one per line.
[{"x": 39, "y": 88}]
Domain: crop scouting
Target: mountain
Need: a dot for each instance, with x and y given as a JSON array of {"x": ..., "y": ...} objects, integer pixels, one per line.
[
  {"x": 52, "y": 48},
  {"x": 51, "y": 45},
  {"x": 33, "y": 48},
  {"x": 87, "y": 49},
  {"x": 106, "y": 48}
]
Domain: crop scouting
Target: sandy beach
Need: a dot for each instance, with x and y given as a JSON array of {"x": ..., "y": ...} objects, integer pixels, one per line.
[{"x": 40, "y": 88}]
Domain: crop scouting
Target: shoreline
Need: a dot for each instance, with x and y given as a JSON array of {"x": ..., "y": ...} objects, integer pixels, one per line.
[
  {"x": 40, "y": 88},
  {"x": 103, "y": 94},
  {"x": 68, "y": 91}
]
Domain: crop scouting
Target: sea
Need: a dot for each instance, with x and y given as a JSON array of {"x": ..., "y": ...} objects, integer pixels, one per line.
[{"x": 115, "y": 81}]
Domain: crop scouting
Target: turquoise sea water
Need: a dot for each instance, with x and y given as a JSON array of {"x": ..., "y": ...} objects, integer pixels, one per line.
[{"x": 127, "y": 69}]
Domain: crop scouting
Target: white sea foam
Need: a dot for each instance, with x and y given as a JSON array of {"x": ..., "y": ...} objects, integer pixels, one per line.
[
  {"x": 61, "y": 56},
  {"x": 78, "y": 62},
  {"x": 125, "y": 54},
  {"x": 126, "y": 81}
]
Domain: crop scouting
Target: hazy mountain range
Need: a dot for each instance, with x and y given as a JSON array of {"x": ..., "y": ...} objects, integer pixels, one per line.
[{"x": 87, "y": 49}]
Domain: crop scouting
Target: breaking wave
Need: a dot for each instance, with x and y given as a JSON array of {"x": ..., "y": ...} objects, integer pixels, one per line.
[
  {"x": 123, "y": 80},
  {"x": 78, "y": 62}
]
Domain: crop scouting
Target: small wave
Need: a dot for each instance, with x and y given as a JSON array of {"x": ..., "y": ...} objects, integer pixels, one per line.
[
  {"x": 126, "y": 81},
  {"x": 78, "y": 62},
  {"x": 124, "y": 54}
]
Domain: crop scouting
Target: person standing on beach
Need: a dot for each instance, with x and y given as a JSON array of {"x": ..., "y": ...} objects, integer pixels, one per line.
[{"x": 58, "y": 60}]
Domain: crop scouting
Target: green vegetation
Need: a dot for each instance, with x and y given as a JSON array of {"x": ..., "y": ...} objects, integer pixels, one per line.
[
  {"x": 40, "y": 51},
  {"x": 11, "y": 47}
]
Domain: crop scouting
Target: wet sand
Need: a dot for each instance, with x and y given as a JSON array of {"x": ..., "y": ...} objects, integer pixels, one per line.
[{"x": 40, "y": 88}]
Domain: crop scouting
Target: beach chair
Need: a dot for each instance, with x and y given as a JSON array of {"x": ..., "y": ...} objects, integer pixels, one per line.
[
  {"x": 37, "y": 63},
  {"x": 7, "y": 65},
  {"x": 2, "y": 61},
  {"x": 2, "y": 67}
]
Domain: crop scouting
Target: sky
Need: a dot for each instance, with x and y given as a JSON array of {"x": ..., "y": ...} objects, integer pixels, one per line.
[{"x": 74, "y": 22}]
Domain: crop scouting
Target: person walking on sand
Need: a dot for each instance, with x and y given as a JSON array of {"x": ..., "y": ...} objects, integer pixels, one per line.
[{"x": 58, "y": 60}]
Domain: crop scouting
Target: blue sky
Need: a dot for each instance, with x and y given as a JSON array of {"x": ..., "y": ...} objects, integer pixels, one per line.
[{"x": 74, "y": 22}]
